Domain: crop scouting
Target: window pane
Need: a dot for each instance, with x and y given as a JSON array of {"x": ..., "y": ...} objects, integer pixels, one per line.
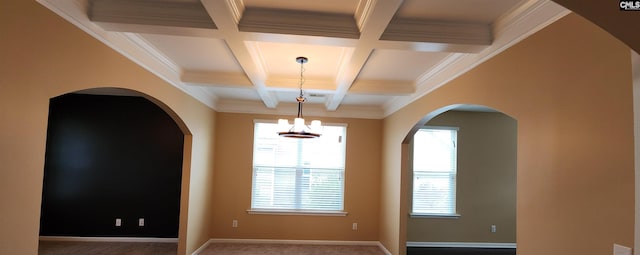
[
  {"x": 434, "y": 193},
  {"x": 322, "y": 189},
  {"x": 434, "y": 150},
  {"x": 434, "y": 171},
  {"x": 298, "y": 174}
]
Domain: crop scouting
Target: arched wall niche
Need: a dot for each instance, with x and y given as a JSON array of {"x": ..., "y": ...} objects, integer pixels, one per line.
[
  {"x": 187, "y": 149},
  {"x": 114, "y": 91},
  {"x": 486, "y": 181},
  {"x": 453, "y": 107}
]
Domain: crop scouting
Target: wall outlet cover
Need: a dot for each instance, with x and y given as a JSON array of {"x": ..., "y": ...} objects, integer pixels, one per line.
[{"x": 621, "y": 250}]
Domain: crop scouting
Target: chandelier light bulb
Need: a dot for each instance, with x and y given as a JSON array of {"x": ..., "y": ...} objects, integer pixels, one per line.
[{"x": 299, "y": 129}]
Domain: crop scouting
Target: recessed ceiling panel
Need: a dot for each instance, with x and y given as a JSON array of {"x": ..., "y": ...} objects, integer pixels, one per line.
[
  {"x": 364, "y": 100},
  {"x": 228, "y": 93},
  {"x": 481, "y": 11},
  {"x": 332, "y": 6},
  {"x": 399, "y": 64},
  {"x": 196, "y": 53},
  {"x": 279, "y": 59}
]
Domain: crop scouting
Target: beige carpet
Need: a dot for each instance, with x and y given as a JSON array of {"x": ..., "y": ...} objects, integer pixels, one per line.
[
  {"x": 106, "y": 248},
  {"x": 118, "y": 248},
  {"x": 288, "y": 249}
]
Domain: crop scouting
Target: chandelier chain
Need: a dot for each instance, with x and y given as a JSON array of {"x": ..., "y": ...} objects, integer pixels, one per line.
[{"x": 302, "y": 80}]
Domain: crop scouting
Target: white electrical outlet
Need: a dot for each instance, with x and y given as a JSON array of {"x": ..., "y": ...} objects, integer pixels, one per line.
[
  {"x": 234, "y": 223},
  {"x": 118, "y": 222},
  {"x": 141, "y": 222},
  {"x": 354, "y": 226},
  {"x": 621, "y": 250},
  {"x": 493, "y": 228}
]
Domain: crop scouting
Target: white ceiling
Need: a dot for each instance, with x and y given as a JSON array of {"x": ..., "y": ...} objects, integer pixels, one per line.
[{"x": 367, "y": 58}]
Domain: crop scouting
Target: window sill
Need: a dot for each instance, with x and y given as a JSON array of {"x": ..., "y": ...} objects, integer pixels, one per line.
[
  {"x": 434, "y": 216},
  {"x": 297, "y": 212}
]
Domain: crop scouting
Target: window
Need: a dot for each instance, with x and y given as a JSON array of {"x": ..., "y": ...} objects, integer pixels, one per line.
[
  {"x": 298, "y": 175},
  {"x": 434, "y": 171}
]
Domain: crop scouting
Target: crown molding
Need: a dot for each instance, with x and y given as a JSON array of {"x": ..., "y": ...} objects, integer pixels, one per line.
[
  {"x": 237, "y": 9},
  {"x": 363, "y": 12}
]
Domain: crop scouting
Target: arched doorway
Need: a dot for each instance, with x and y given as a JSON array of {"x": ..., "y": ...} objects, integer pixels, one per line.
[
  {"x": 113, "y": 168},
  {"x": 467, "y": 202}
]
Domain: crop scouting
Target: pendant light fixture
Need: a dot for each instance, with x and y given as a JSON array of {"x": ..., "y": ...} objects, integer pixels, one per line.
[{"x": 299, "y": 129}]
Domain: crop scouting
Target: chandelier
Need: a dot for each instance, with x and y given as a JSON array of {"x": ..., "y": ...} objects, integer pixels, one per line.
[{"x": 299, "y": 129}]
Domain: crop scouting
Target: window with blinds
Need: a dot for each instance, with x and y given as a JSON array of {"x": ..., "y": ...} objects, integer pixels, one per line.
[
  {"x": 298, "y": 174},
  {"x": 434, "y": 171}
]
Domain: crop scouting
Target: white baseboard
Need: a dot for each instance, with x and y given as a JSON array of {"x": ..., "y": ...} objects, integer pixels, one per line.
[
  {"x": 109, "y": 239},
  {"x": 384, "y": 249},
  {"x": 280, "y": 241},
  {"x": 202, "y": 247},
  {"x": 461, "y": 245}
]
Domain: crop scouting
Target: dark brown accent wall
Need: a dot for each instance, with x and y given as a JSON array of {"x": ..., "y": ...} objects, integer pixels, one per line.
[{"x": 111, "y": 157}]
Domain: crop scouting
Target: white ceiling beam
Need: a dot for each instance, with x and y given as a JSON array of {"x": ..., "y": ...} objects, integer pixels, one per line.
[
  {"x": 286, "y": 26},
  {"x": 157, "y": 13},
  {"x": 310, "y": 109},
  {"x": 430, "y": 47},
  {"x": 225, "y": 15},
  {"x": 299, "y": 39},
  {"x": 158, "y": 29},
  {"x": 418, "y": 30},
  {"x": 278, "y": 21},
  {"x": 377, "y": 18},
  {"x": 310, "y": 84}
]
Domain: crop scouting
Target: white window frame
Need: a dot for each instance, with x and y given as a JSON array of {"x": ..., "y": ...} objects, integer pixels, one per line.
[
  {"x": 452, "y": 176},
  {"x": 301, "y": 169}
]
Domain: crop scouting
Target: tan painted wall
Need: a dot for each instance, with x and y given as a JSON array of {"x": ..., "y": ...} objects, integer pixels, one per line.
[
  {"x": 569, "y": 88},
  {"x": 486, "y": 182},
  {"x": 232, "y": 186},
  {"x": 43, "y": 56}
]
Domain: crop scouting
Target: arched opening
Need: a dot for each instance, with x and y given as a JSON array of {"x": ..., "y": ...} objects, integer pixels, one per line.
[
  {"x": 114, "y": 169},
  {"x": 463, "y": 199}
]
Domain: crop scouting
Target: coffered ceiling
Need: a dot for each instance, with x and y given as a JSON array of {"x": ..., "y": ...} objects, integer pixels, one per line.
[{"x": 367, "y": 58}]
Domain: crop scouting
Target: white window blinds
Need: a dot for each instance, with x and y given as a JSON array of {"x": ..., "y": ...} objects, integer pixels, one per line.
[
  {"x": 298, "y": 174},
  {"x": 434, "y": 171}
]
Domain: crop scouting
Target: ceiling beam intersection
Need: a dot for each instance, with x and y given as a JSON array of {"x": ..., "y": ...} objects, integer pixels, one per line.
[
  {"x": 224, "y": 14},
  {"x": 378, "y": 16}
]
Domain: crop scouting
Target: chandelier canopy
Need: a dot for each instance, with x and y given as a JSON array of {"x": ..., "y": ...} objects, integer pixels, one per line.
[{"x": 300, "y": 129}]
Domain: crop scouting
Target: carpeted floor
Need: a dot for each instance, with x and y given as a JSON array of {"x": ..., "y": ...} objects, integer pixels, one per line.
[
  {"x": 288, "y": 249},
  {"x": 108, "y": 248}
]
